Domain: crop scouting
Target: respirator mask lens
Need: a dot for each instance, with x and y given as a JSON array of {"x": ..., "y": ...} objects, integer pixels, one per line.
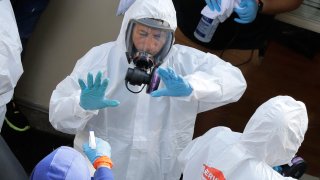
[{"x": 148, "y": 41}]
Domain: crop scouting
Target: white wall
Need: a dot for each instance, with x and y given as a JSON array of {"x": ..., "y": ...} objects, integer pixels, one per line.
[{"x": 65, "y": 32}]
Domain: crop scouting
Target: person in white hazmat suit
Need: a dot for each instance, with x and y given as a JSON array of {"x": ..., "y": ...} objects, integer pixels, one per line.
[
  {"x": 271, "y": 138},
  {"x": 10, "y": 59},
  {"x": 147, "y": 131},
  {"x": 10, "y": 72}
]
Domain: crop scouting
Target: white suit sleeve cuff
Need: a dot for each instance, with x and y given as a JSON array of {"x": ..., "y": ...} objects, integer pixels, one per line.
[{"x": 82, "y": 113}]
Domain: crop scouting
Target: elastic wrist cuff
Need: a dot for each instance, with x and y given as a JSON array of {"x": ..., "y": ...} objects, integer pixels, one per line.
[{"x": 103, "y": 161}]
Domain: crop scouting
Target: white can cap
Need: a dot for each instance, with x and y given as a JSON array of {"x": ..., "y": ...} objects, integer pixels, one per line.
[{"x": 92, "y": 140}]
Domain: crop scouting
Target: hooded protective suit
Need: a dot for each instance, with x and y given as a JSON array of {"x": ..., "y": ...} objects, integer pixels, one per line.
[
  {"x": 146, "y": 133},
  {"x": 10, "y": 60},
  {"x": 271, "y": 138}
]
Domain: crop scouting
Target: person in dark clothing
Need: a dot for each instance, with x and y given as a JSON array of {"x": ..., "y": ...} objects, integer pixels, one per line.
[{"x": 27, "y": 13}]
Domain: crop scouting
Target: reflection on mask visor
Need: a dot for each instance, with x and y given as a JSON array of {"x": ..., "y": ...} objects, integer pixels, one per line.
[{"x": 147, "y": 39}]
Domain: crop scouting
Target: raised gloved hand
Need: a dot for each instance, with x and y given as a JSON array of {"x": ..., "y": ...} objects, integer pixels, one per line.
[
  {"x": 247, "y": 11},
  {"x": 214, "y": 4},
  {"x": 175, "y": 84},
  {"x": 103, "y": 148},
  {"x": 92, "y": 95}
]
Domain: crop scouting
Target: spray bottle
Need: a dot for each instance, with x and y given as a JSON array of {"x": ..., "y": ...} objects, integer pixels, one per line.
[
  {"x": 210, "y": 20},
  {"x": 206, "y": 27}
]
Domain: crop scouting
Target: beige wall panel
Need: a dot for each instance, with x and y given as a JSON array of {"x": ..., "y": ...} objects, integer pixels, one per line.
[{"x": 65, "y": 32}]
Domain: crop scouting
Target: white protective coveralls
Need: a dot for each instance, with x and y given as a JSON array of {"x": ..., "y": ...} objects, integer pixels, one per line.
[
  {"x": 10, "y": 59},
  {"x": 271, "y": 138},
  {"x": 146, "y": 133}
]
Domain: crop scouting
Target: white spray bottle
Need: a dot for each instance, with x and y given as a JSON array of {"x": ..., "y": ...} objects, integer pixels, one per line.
[{"x": 210, "y": 20}]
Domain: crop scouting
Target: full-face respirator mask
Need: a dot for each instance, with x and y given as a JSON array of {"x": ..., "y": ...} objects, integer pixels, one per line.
[{"x": 148, "y": 41}]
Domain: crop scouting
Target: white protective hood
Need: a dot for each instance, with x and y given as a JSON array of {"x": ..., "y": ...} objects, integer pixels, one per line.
[
  {"x": 157, "y": 9},
  {"x": 276, "y": 130},
  {"x": 272, "y": 137}
]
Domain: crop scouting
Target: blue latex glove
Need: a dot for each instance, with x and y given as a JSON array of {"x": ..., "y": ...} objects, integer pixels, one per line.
[
  {"x": 103, "y": 148},
  {"x": 92, "y": 95},
  {"x": 175, "y": 84},
  {"x": 214, "y": 4},
  {"x": 278, "y": 169},
  {"x": 247, "y": 11}
]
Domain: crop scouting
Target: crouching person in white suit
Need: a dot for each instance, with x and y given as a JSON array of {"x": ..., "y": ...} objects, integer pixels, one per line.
[{"x": 271, "y": 138}]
